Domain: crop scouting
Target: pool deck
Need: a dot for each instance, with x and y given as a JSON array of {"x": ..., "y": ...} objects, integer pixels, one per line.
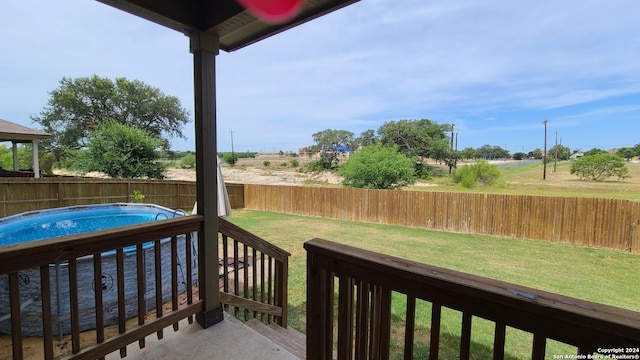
[{"x": 228, "y": 340}]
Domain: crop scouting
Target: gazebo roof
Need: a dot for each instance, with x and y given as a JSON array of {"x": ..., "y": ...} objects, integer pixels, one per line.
[
  {"x": 234, "y": 26},
  {"x": 14, "y": 132}
]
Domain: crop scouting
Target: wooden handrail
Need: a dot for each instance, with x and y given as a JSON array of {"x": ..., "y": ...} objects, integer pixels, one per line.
[
  {"x": 254, "y": 278},
  {"x": 586, "y": 325}
]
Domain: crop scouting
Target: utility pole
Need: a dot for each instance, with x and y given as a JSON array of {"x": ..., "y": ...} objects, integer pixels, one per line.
[
  {"x": 555, "y": 159},
  {"x": 233, "y": 158},
  {"x": 452, "y": 126},
  {"x": 544, "y": 154}
]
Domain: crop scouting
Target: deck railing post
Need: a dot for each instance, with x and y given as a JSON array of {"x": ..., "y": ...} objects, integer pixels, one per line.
[{"x": 318, "y": 338}]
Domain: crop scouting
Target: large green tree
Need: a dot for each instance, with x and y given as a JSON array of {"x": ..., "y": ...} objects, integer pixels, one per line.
[
  {"x": 417, "y": 138},
  {"x": 120, "y": 151},
  {"x": 78, "y": 106},
  {"x": 378, "y": 167},
  {"x": 563, "y": 152},
  {"x": 600, "y": 166}
]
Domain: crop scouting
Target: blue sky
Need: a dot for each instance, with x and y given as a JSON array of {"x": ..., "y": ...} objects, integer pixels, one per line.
[{"x": 494, "y": 68}]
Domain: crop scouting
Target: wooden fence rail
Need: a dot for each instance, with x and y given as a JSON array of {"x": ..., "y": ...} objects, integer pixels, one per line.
[
  {"x": 603, "y": 223},
  {"x": 18, "y": 195}
]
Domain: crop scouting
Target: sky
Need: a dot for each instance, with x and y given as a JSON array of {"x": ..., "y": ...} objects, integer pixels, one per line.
[{"x": 496, "y": 69}]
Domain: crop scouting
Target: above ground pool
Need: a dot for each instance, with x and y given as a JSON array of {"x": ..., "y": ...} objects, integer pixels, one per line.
[{"x": 45, "y": 224}]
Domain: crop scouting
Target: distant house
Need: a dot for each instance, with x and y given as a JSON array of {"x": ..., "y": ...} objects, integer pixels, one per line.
[{"x": 576, "y": 156}]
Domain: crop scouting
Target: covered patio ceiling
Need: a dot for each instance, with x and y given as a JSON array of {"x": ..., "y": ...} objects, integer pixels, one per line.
[{"x": 226, "y": 19}]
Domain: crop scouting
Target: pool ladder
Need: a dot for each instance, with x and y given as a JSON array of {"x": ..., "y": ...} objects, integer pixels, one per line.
[{"x": 175, "y": 213}]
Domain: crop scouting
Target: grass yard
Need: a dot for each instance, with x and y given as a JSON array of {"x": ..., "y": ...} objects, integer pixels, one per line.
[
  {"x": 527, "y": 180},
  {"x": 604, "y": 276}
]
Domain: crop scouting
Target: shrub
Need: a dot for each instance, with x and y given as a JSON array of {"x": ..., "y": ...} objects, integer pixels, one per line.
[
  {"x": 378, "y": 167},
  {"x": 600, "y": 166},
  {"x": 294, "y": 163},
  {"x": 284, "y": 164},
  {"x": 230, "y": 158},
  {"x": 188, "y": 161},
  {"x": 266, "y": 163},
  {"x": 480, "y": 173}
]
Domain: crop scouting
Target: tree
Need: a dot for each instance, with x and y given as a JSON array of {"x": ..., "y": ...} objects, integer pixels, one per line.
[
  {"x": 78, "y": 106},
  {"x": 492, "y": 152},
  {"x": 378, "y": 167},
  {"x": 519, "y": 156},
  {"x": 563, "y": 152},
  {"x": 626, "y": 153},
  {"x": 120, "y": 151},
  {"x": 367, "y": 137},
  {"x": 600, "y": 166},
  {"x": 536, "y": 154},
  {"x": 416, "y": 138},
  {"x": 468, "y": 153},
  {"x": 593, "y": 152},
  {"x": 330, "y": 138}
]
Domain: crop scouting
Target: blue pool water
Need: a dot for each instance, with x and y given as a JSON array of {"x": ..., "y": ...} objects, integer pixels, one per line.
[{"x": 44, "y": 224}]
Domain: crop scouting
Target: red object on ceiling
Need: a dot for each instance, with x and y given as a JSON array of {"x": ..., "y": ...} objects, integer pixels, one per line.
[{"x": 273, "y": 11}]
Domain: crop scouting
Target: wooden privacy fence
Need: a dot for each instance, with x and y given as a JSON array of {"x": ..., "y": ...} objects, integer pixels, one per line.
[
  {"x": 603, "y": 223},
  {"x": 18, "y": 195}
]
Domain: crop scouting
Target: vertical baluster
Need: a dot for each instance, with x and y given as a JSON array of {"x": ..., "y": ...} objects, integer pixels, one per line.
[
  {"x": 158, "y": 278},
  {"x": 122, "y": 325},
  {"x": 16, "y": 321},
  {"x": 328, "y": 313},
  {"x": 97, "y": 281},
  {"x": 465, "y": 335},
  {"x": 189, "y": 275},
  {"x": 434, "y": 345},
  {"x": 385, "y": 323},
  {"x": 345, "y": 318},
  {"x": 362, "y": 321},
  {"x": 254, "y": 282},
  {"x": 74, "y": 306},
  {"x": 282, "y": 271},
  {"x": 262, "y": 283},
  {"x": 539, "y": 346},
  {"x": 270, "y": 318},
  {"x": 225, "y": 266},
  {"x": 141, "y": 276},
  {"x": 410, "y": 327},
  {"x": 174, "y": 276},
  {"x": 374, "y": 344},
  {"x": 236, "y": 283},
  {"x": 245, "y": 268},
  {"x": 498, "y": 341},
  {"x": 47, "y": 323}
]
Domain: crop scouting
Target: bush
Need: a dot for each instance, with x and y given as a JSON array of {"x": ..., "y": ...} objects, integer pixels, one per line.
[
  {"x": 378, "y": 167},
  {"x": 266, "y": 163},
  {"x": 230, "y": 158},
  {"x": 480, "y": 173},
  {"x": 600, "y": 166},
  {"x": 188, "y": 161},
  {"x": 120, "y": 151},
  {"x": 294, "y": 163}
]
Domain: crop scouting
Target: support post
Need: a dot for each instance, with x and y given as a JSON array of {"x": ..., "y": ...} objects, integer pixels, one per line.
[
  {"x": 16, "y": 165},
  {"x": 205, "y": 47},
  {"x": 36, "y": 160}
]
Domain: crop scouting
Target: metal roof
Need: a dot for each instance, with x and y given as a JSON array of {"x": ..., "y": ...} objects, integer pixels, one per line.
[
  {"x": 14, "y": 132},
  {"x": 235, "y": 26}
]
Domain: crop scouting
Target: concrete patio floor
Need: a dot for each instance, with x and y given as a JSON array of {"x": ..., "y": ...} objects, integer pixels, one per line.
[{"x": 228, "y": 340}]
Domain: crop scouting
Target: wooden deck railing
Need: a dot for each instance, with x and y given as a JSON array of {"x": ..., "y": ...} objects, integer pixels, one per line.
[
  {"x": 254, "y": 275},
  {"x": 89, "y": 255},
  {"x": 365, "y": 281},
  {"x": 253, "y": 280}
]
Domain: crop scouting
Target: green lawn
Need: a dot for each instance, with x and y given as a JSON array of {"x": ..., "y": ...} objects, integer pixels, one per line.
[
  {"x": 604, "y": 276},
  {"x": 527, "y": 180}
]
